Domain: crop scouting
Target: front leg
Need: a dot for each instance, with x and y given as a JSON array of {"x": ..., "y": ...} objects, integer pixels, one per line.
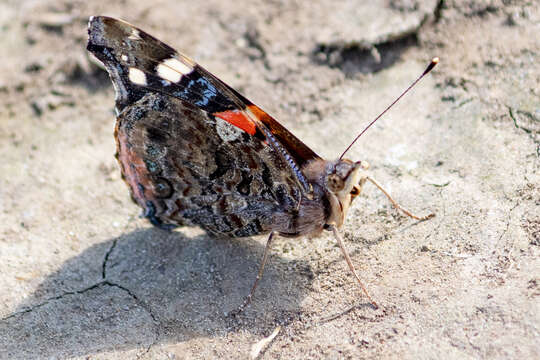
[
  {"x": 396, "y": 205},
  {"x": 339, "y": 240}
]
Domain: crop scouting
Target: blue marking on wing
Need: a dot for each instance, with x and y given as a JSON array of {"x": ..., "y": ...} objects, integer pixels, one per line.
[{"x": 209, "y": 92}]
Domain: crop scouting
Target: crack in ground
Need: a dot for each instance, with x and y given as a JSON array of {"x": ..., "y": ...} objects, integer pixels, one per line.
[
  {"x": 525, "y": 113},
  {"x": 139, "y": 302},
  {"x": 54, "y": 298},
  {"x": 147, "y": 308},
  {"x": 106, "y": 258},
  {"x": 501, "y": 260},
  {"x": 533, "y": 133},
  {"x": 104, "y": 282},
  {"x": 92, "y": 287},
  {"x": 508, "y": 223},
  {"x": 82, "y": 291}
]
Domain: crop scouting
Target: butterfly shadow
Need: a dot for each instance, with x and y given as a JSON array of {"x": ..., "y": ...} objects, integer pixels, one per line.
[{"x": 151, "y": 286}]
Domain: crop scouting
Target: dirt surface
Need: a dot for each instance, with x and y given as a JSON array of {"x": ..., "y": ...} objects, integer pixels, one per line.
[{"x": 82, "y": 276}]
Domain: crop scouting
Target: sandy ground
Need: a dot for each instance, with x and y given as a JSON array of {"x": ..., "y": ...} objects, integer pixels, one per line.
[{"x": 82, "y": 276}]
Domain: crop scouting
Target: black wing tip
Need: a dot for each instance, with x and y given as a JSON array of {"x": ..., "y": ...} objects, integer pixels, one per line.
[
  {"x": 97, "y": 22},
  {"x": 101, "y": 28},
  {"x": 105, "y": 31},
  {"x": 96, "y": 32}
]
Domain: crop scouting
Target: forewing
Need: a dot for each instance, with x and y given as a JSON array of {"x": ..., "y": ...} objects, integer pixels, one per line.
[{"x": 137, "y": 62}]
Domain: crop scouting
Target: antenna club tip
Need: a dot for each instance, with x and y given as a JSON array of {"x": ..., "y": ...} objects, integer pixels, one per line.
[{"x": 431, "y": 65}]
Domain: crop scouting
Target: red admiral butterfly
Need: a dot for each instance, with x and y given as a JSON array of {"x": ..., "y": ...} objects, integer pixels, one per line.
[{"x": 195, "y": 152}]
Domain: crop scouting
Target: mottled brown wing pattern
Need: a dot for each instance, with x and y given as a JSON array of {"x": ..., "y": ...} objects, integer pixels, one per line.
[
  {"x": 192, "y": 149},
  {"x": 185, "y": 166}
]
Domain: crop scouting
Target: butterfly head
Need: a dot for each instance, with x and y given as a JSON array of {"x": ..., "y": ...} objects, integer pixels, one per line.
[{"x": 343, "y": 180}]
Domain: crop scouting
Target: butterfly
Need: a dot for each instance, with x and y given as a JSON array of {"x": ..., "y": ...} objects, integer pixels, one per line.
[{"x": 195, "y": 152}]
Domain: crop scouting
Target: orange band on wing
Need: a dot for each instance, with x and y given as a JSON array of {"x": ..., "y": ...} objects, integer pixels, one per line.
[
  {"x": 239, "y": 119},
  {"x": 259, "y": 113}
]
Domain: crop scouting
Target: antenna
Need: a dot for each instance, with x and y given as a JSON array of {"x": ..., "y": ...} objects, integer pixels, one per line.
[{"x": 430, "y": 67}]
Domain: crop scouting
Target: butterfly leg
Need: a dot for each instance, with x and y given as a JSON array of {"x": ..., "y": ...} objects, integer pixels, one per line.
[
  {"x": 396, "y": 205},
  {"x": 259, "y": 276},
  {"x": 349, "y": 262}
]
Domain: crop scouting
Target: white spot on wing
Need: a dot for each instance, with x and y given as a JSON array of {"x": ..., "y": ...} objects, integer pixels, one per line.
[
  {"x": 124, "y": 58},
  {"x": 226, "y": 131},
  {"x": 167, "y": 73},
  {"x": 172, "y": 69},
  {"x": 136, "y": 76},
  {"x": 177, "y": 65}
]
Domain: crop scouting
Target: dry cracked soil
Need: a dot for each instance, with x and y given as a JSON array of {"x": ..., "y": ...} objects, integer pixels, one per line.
[{"x": 82, "y": 276}]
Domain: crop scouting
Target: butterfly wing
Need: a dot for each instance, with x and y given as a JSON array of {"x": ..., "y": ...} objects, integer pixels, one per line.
[
  {"x": 193, "y": 150},
  {"x": 132, "y": 53}
]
